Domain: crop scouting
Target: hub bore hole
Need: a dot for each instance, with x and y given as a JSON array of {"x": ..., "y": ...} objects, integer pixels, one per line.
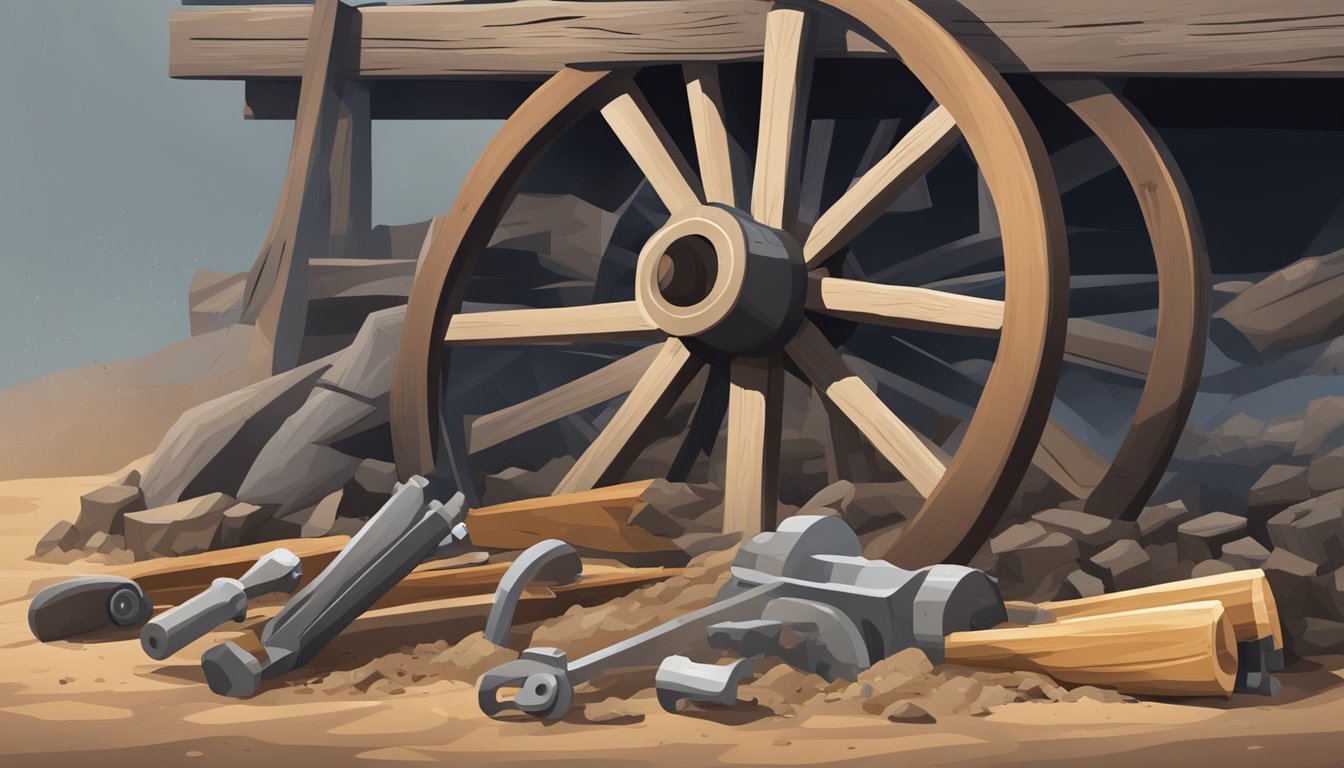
[{"x": 687, "y": 271}]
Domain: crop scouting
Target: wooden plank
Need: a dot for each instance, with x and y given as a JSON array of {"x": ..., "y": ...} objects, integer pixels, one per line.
[
  {"x": 1096, "y": 344},
  {"x": 618, "y": 320},
  {"x": 584, "y": 392},
  {"x": 755, "y": 410},
  {"x": 276, "y": 298},
  {"x": 594, "y": 520},
  {"x": 537, "y": 37},
  {"x": 351, "y": 175},
  {"x": 1174, "y": 650}
]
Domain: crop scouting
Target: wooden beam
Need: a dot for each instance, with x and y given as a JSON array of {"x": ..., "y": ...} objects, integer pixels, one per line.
[
  {"x": 592, "y": 520},
  {"x": 1096, "y": 344},
  {"x": 538, "y": 37},
  {"x": 276, "y": 297},
  {"x": 400, "y": 99},
  {"x": 351, "y": 176}
]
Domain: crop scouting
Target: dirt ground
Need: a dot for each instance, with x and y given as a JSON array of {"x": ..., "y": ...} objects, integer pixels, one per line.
[{"x": 103, "y": 702}]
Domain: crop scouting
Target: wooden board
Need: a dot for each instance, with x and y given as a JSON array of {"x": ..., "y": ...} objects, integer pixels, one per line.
[
  {"x": 537, "y": 37},
  {"x": 596, "y": 519}
]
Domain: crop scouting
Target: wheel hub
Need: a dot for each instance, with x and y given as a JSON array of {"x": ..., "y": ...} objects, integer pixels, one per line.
[{"x": 715, "y": 275}]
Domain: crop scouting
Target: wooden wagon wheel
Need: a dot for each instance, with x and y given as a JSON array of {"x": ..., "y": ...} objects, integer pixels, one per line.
[{"x": 719, "y": 281}]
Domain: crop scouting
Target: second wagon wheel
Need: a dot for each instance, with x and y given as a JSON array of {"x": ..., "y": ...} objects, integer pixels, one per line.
[{"x": 747, "y": 289}]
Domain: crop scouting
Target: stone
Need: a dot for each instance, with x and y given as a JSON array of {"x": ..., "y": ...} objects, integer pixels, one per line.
[
  {"x": 1157, "y": 525},
  {"x": 211, "y": 447},
  {"x": 835, "y": 497},
  {"x": 130, "y": 477},
  {"x": 241, "y": 524},
  {"x": 1293, "y": 308},
  {"x": 906, "y": 711},
  {"x": 1034, "y": 570},
  {"x": 317, "y": 520},
  {"x": 102, "y": 510},
  {"x": 1320, "y": 636},
  {"x": 1203, "y": 537},
  {"x": 516, "y": 483},
  {"x": 1280, "y": 486},
  {"x": 215, "y": 300},
  {"x": 1017, "y": 536},
  {"x": 1123, "y": 565},
  {"x": 368, "y": 489},
  {"x": 1244, "y": 553},
  {"x": 1078, "y": 584},
  {"x": 1324, "y": 416},
  {"x": 1210, "y": 568},
  {"x": 877, "y": 506},
  {"x": 675, "y": 509},
  {"x": 1313, "y": 530},
  {"x": 1329, "y": 592},
  {"x": 1092, "y": 532},
  {"x": 63, "y": 536},
  {"x": 184, "y": 528},
  {"x": 365, "y": 367},
  {"x": 1326, "y": 473},
  {"x": 1166, "y": 563},
  {"x": 1291, "y": 581}
]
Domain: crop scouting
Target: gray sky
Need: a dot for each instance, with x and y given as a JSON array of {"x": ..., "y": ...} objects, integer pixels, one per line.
[{"x": 117, "y": 183}]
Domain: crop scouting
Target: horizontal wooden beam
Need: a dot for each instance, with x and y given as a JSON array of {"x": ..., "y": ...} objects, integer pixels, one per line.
[
  {"x": 401, "y": 99},
  {"x": 530, "y": 38}
]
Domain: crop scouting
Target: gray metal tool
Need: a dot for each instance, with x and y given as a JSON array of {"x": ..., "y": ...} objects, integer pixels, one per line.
[
  {"x": 551, "y": 561},
  {"x": 87, "y": 604},
  {"x": 380, "y": 555},
  {"x": 680, "y": 679},
  {"x": 803, "y": 588},
  {"x": 224, "y": 600}
]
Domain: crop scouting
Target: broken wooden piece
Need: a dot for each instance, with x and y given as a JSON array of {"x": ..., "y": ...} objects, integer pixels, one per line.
[
  {"x": 593, "y": 520},
  {"x": 1172, "y": 650}
]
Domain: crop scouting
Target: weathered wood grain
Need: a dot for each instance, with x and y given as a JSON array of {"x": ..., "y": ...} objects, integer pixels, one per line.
[{"x": 537, "y": 37}]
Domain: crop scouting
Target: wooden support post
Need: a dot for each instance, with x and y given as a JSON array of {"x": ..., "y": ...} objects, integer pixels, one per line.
[
  {"x": 276, "y": 300},
  {"x": 351, "y": 176}
]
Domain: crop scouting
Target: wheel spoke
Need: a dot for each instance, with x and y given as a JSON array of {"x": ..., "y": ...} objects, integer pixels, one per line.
[
  {"x": 625, "y": 435},
  {"x": 755, "y": 407},
  {"x": 583, "y": 393},
  {"x": 1099, "y": 345},
  {"x": 785, "y": 84},
  {"x": 649, "y": 144},
  {"x": 615, "y": 321},
  {"x": 1069, "y": 461},
  {"x": 711, "y": 136},
  {"x": 904, "y": 306},
  {"x": 916, "y": 457},
  {"x": 877, "y": 189}
]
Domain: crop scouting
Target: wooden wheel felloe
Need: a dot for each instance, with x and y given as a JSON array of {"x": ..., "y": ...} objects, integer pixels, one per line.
[{"x": 743, "y": 283}]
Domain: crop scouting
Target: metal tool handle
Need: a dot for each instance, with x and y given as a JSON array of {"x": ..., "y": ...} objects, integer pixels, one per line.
[{"x": 223, "y": 600}]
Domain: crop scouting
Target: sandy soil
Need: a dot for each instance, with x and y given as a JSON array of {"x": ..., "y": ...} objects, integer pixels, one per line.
[{"x": 103, "y": 702}]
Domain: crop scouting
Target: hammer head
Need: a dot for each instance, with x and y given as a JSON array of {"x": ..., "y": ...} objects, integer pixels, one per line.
[{"x": 786, "y": 551}]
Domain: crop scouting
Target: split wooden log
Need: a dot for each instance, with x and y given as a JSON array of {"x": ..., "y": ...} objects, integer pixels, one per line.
[
  {"x": 1293, "y": 308},
  {"x": 1245, "y": 595},
  {"x": 1172, "y": 650}
]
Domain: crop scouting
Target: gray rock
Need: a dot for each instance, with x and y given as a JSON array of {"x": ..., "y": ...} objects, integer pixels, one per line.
[
  {"x": 1329, "y": 591},
  {"x": 184, "y": 528},
  {"x": 879, "y": 505},
  {"x": 102, "y": 510},
  {"x": 1157, "y": 525},
  {"x": 63, "y": 535},
  {"x": 1244, "y": 553},
  {"x": 241, "y": 524},
  {"x": 1033, "y": 570},
  {"x": 368, "y": 489},
  {"x": 1210, "y": 568},
  {"x": 1326, "y": 472},
  {"x": 1323, "y": 417},
  {"x": 1281, "y": 485},
  {"x": 1291, "y": 581},
  {"x": 365, "y": 367},
  {"x": 1166, "y": 563},
  {"x": 211, "y": 447},
  {"x": 1123, "y": 565},
  {"x": 1092, "y": 532},
  {"x": 298, "y": 465},
  {"x": 1078, "y": 584},
  {"x": 1017, "y": 536},
  {"x": 674, "y": 509},
  {"x": 1203, "y": 538},
  {"x": 516, "y": 483},
  {"x": 131, "y": 478},
  {"x": 1313, "y": 530},
  {"x": 1320, "y": 636},
  {"x": 835, "y": 497}
]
